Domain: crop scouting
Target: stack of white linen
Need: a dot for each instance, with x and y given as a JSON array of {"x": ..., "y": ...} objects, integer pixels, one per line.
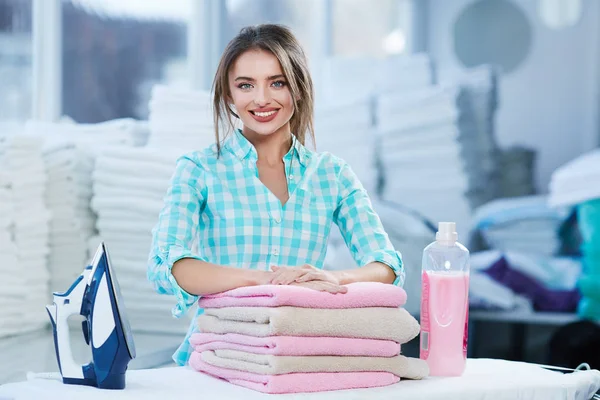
[
  {"x": 24, "y": 236},
  {"x": 180, "y": 118},
  {"x": 346, "y": 130},
  {"x": 68, "y": 197},
  {"x": 69, "y": 153},
  {"x": 477, "y": 101},
  {"x": 437, "y": 150},
  {"x": 345, "y": 115},
  {"x": 339, "y": 83},
  {"x": 521, "y": 224},
  {"x": 576, "y": 182},
  {"x": 129, "y": 187},
  {"x": 420, "y": 155}
]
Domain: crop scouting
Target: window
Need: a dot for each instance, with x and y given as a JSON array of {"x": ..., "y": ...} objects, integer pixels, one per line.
[
  {"x": 295, "y": 14},
  {"x": 15, "y": 60},
  {"x": 114, "y": 51},
  {"x": 368, "y": 28}
]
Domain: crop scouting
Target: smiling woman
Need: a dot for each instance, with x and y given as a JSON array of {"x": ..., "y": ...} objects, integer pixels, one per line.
[
  {"x": 258, "y": 204},
  {"x": 257, "y": 75}
]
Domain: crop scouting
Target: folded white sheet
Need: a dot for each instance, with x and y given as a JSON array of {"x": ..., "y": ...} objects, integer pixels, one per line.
[
  {"x": 140, "y": 205},
  {"x": 125, "y": 192},
  {"x": 158, "y": 184},
  {"x": 133, "y": 168}
]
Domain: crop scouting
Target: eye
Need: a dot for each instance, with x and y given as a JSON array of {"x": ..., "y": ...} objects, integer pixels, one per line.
[
  {"x": 279, "y": 84},
  {"x": 244, "y": 86}
]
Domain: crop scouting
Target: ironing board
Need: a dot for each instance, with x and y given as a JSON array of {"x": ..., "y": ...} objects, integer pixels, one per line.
[{"x": 483, "y": 379}]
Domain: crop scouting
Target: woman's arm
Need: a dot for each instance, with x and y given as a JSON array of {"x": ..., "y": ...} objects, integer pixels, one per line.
[
  {"x": 373, "y": 272},
  {"x": 364, "y": 235},
  {"x": 201, "y": 278},
  {"x": 173, "y": 267}
]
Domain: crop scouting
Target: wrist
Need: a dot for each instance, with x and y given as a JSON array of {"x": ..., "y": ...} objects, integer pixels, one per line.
[
  {"x": 256, "y": 278},
  {"x": 343, "y": 277}
]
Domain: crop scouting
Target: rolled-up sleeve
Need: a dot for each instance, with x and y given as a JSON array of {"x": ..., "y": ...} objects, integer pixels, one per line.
[
  {"x": 361, "y": 227},
  {"x": 175, "y": 232}
]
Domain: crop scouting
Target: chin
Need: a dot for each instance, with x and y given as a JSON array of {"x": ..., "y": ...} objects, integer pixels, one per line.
[{"x": 264, "y": 129}]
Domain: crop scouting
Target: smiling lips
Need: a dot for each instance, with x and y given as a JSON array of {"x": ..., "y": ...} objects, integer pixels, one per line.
[{"x": 264, "y": 114}]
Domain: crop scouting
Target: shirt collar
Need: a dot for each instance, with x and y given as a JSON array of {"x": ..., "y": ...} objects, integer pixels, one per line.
[{"x": 242, "y": 148}]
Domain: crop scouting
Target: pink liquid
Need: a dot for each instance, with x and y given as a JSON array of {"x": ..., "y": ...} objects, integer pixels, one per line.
[{"x": 444, "y": 322}]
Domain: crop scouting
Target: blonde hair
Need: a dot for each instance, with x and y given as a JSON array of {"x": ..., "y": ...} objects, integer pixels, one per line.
[{"x": 281, "y": 42}]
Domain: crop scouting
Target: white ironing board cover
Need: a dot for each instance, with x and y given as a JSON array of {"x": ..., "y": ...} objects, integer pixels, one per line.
[{"x": 483, "y": 379}]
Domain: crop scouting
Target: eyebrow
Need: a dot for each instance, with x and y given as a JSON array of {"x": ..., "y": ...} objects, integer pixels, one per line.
[{"x": 245, "y": 78}]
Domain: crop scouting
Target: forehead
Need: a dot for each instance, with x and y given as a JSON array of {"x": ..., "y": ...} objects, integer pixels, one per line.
[{"x": 257, "y": 64}]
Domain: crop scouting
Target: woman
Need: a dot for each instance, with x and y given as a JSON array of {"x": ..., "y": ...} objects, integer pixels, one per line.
[{"x": 258, "y": 207}]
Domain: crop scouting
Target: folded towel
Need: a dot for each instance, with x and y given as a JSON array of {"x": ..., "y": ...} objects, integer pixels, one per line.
[
  {"x": 402, "y": 367},
  {"x": 372, "y": 323},
  {"x": 295, "y": 383},
  {"x": 360, "y": 294},
  {"x": 295, "y": 345}
]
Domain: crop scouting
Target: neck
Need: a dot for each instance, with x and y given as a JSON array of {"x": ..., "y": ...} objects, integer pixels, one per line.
[{"x": 270, "y": 149}]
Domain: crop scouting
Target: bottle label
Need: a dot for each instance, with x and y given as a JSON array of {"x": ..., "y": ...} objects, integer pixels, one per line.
[
  {"x": 466, "y": 334},
  {"x": 425, "y": 329}
]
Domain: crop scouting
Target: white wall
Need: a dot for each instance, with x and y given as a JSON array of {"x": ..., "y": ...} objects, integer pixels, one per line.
[{"x": 550, "y": 102}]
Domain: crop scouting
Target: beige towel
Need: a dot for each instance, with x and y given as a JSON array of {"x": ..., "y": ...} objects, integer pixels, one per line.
[
  {"x": 371, "y": 322},
  {"x": 267, "y": 364}
]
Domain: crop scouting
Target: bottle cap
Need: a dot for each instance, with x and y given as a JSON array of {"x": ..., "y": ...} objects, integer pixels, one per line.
[{"x": 446, "y": 232}]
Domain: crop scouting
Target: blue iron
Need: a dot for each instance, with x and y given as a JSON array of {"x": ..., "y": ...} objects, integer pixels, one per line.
[{"x": 96, "y": 296}]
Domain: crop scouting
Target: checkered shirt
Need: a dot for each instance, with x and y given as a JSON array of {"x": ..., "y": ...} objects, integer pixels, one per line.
[{"x": 217, "y": 210}]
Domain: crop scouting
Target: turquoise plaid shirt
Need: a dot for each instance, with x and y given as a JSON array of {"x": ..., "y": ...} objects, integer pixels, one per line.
[{"x": 217, "y": 210}]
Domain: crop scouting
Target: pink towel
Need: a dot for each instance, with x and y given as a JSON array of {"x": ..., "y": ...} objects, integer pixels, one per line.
[
  {"x": 296, "y": 382},
  {"x": 359, "y": 294},
  {"x": 295, "y": 345}
]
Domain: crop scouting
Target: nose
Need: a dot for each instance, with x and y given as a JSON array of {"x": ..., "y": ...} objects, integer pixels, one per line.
[{"x": 263, "y": 96}]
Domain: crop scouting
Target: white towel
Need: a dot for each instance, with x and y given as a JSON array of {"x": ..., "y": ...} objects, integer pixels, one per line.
[
  {"x": 140, "y": 205},
  {"x": 133, "y": 168},
  {"x": 158, "y": 184}
]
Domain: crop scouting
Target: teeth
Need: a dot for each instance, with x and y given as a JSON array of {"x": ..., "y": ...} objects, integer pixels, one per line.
[{"x": 264, "y": 114}]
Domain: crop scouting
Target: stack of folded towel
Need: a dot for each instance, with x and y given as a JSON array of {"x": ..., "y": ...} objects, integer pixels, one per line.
[
  {"x": 180, "y": 118},
  {"x": 128, "y": 191},
  {"x": 23, "y": 251},
  {"x": 287, "y": 339},
  {"x": 420, "y": 154},
  {"x": 437, "y": 148},
  {"x": 69, "y": 152},
  {"x": 520, "y": 224},
  {"x": 345, "y": 129},
  {"x": 68, "y": 197}
]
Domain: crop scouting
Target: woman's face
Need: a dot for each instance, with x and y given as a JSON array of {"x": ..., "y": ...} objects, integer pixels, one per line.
[{"x": 260, "y": 93}]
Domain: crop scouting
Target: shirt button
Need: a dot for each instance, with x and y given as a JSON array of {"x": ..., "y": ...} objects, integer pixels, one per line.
[
  {"x": 277, "y": 220},
  {"x": 275, "y": 251},
  {"x": 292, "y": 176}
]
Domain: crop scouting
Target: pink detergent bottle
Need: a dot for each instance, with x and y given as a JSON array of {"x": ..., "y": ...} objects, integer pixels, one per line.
[{"x": 445, "y": 303}]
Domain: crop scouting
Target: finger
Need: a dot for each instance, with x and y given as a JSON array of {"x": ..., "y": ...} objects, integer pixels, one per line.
[
  {"x": 277, "y": 275},
  {"x": 275, "y": 268},
  {"x": 309, "y": 276},
  {"x": 287, "y": 276},
  {"x": 335, "y": 288},
  {"x": 326, "y": 286}
]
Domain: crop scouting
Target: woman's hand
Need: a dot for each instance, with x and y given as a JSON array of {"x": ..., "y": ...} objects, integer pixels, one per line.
[
  {"x": 322, "y": 286},
  {"x": 304, "y": 274}
]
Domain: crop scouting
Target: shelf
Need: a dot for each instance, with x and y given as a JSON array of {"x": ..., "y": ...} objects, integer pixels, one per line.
[{"x": 524, "y": 317}]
